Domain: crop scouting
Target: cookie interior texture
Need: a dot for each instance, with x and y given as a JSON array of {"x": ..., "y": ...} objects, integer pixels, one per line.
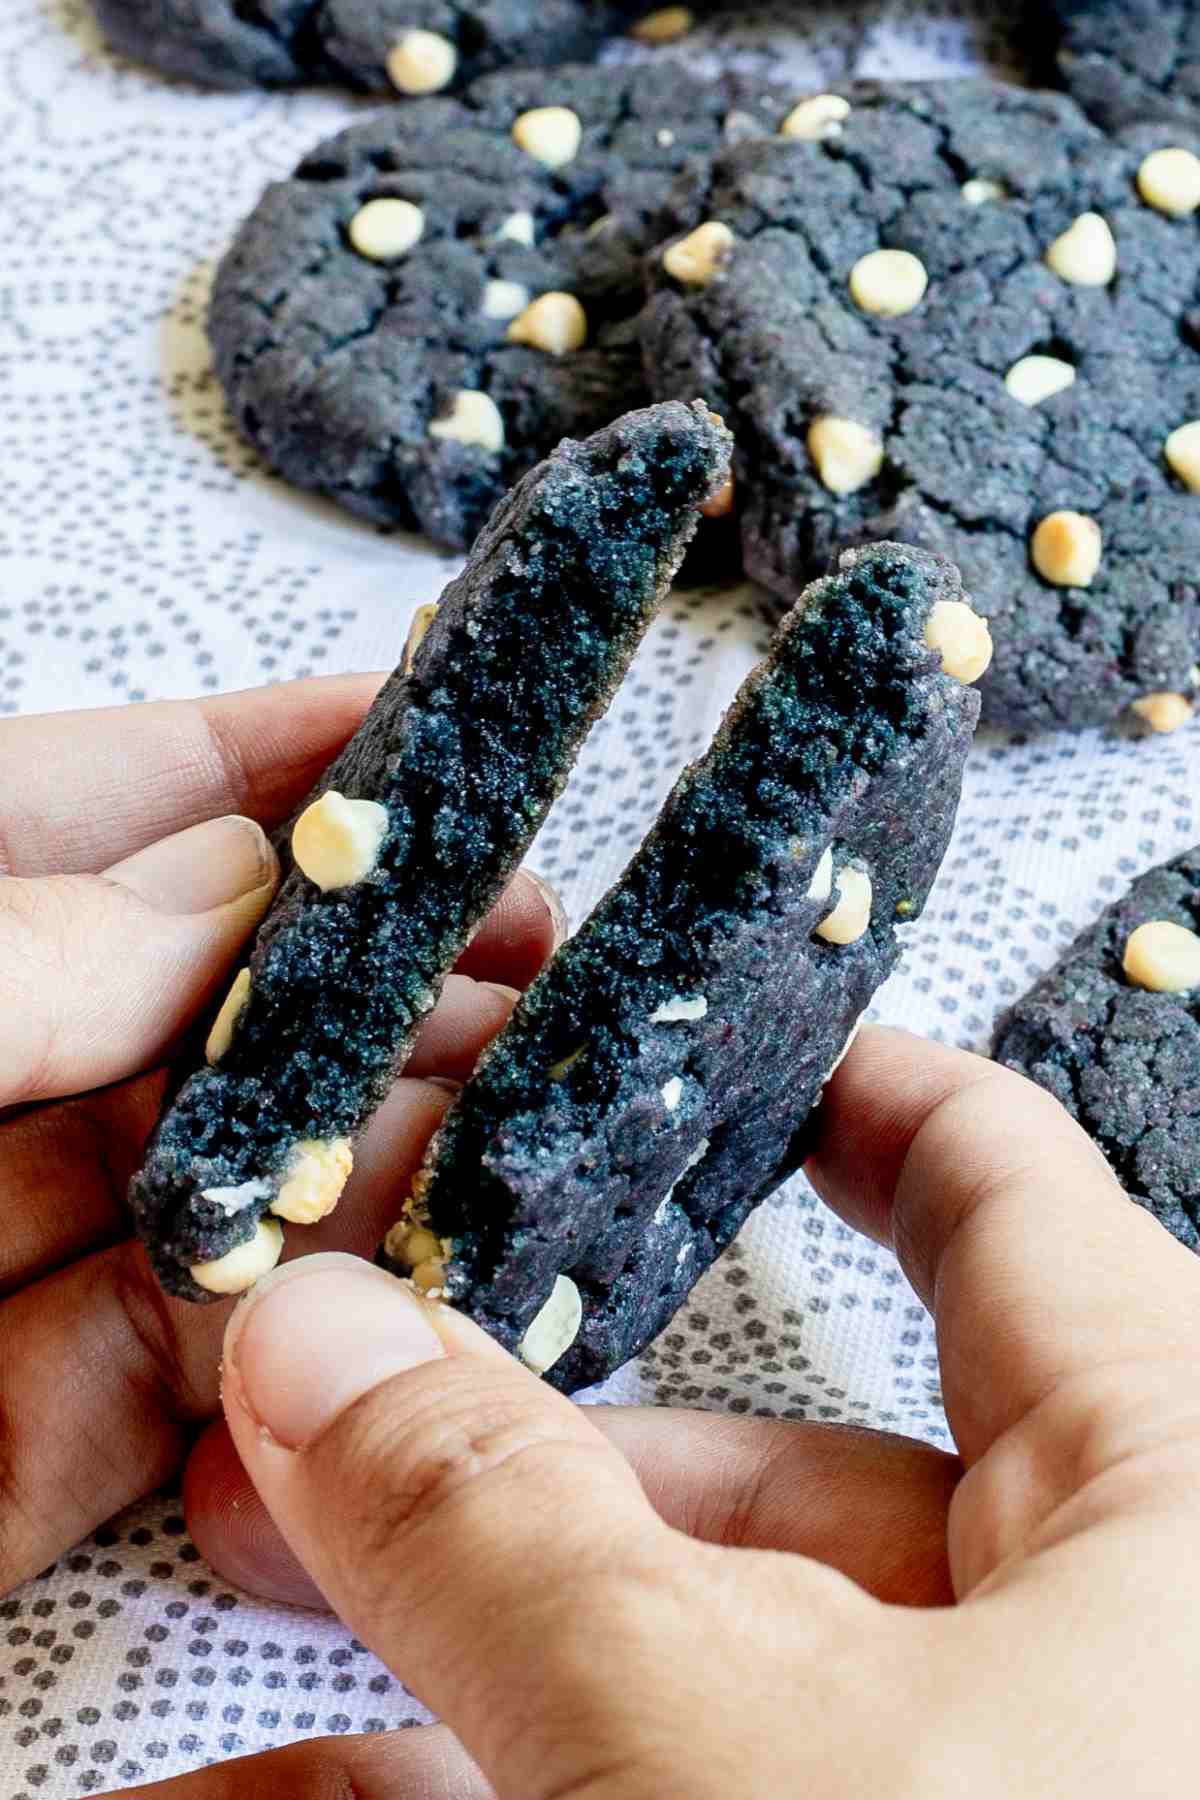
[
  {"x": 283, "y": 43},
  {"x": 1127, "y": 61},
  {"x": 657, "y": 1080},
  {"x": 777, "y": 341},
  {"x": 465, "y": 753},
  {"x": 344, "y": 370},
  {"x": 1124, "y": 1062}
]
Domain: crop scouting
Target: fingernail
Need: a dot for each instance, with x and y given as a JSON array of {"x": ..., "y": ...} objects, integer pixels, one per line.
[
  {"x": 555, "y": 907},
  {"x": 511, "y": 994},
  {"x": 201, "y": 868},
  {"x": 316, "y": 1335}
]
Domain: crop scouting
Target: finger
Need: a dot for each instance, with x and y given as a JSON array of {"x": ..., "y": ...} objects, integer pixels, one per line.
[
  {"x": 520, "y": 934},
  {"x": 871, "y": 1505},
  {"x": 468, "y": 1522},
  {"x": 101, "y": 973},
  {"x": 85, "y": 789},
  {"x": 426, "y": 1764},
  {"x": 1009, "y": 1224},
  {"x": 465, "y": 1020}
]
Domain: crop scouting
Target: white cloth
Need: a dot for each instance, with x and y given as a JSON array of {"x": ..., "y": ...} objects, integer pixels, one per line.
[{"x": 144, "y": 553}]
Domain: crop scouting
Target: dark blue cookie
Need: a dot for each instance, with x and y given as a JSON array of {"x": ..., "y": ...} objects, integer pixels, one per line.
[
  {"x": 410, "y": 838},
  {"x": 346, "y": 367},
  {"x": 658, "y": 1079},
  {"x": 1131, "y": 60},
  {"x": 1113, "y": 1031},
  {"x": 867, "y": 325}
]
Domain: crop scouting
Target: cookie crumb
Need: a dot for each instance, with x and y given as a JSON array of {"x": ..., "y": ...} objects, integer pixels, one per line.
[
  {"x": 852, "y": 914},
  {"x": 1182, "y": 451},
  {"x": 422, "y": 619},
  {"x": 845, "y": 454},
  {"x": 242, "y": 1266},
  {"x": 695, "y": 259},
  {"x": 683, "y": 1007},
  {"x": 1086, "y": 253},
  {"x": 818, "y": 117},
  {"x": 979, "y": 191},
  {"x": 503, "y": 299},
  {"x": 423, "y": 62},
  {"x": 517, "y": 228},
  {"x": 1169, "y": 181},
  {"x": 663, "y": 26},
  {"x": 554, "y": 322},
  {"x": 554, "y": 1329},
  {"x": 888, "y": 283},
  {"x": 1163, "y": 957},
  {"x": 1163, "y": 711},
  {"x": 1066, "y": 549},
  {"x": 672, "y": 1092},
  {"x": 961, "y": 637},
  {"x": 1034, "y": 378},
  {"x": 316, "y": 1172},
  {"x": 386, "y": 228},
  {"x": 474, "y": 418},
  {"x": 221, "y": 1034},
  {"x": 336, "y": 842},
  {"x": 552, "y": 134}
]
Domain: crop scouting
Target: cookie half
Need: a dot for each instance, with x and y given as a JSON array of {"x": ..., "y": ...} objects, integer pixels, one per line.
[
  {"x": 411, "y": 837},
  {"x": 1113, "y": 1031},
  {"x": 657, "y": 1080},
  {"x": 956, "y": 312},
  {"x": 442, "y": 292}
]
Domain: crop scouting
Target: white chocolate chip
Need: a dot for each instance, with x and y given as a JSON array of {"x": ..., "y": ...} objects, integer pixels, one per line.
[
  {"x": 316, "y": 1172},
  {"x": 1085, "y": 254},
  {"x": 888, "y": 282},
  {"x": 846, "y": 455},
  {"x": 518, "y": 227},
  {"x": 554, "y": 1329},
  {"x": 1164, "y": 711},
  {"x": 720, "y": 504},
  {"x": 663, "y": 26},
  {"x": 1066, "y": 549},
  {"x": 674, "y": 1012},
  {"x": 422, "y": 62},
  {"x": 386, "y": 228},
  {"x": 1163, "y": 957},
  {"x": 818, "y": 117},
  {"x": 695, "y": 259},
  {"x": 552, "y": 134},
  {"x": 1182, "y": 451},
  {"x": 473, "y": 419},
  {"x": 422, "y": 619},
  {"x": 672, "y": 1093},
  {"x": 1034, "y": 378},
  {"x": 821, "y": 885},
  {"x": 503, "y": 299},
  {"x": 1169, "y": 180},
  {"x": 233, "y": 1200},
  {"x": 554, "y": 322},
  {"x": 979, "y": 191},
  {"x": 221, "y": 1035},
  {"x": 336, "y": 841},
  {"x": 852, "y": 914},
  {"x": 962, "y": 637},
  {"x": 242, "y": 1266}
]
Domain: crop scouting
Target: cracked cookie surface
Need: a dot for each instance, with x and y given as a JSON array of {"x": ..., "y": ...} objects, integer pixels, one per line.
[
  {"x": 413, "y": 833},
  {"x": 909, "y": 365},
  {"x": 657, "y": 1080},
  {"x": 1123, "y": 1060},
  {"x": 1131, "y": 60},
  {"x": 346, "y": 370},
  {"x": 380, "y": 46}
]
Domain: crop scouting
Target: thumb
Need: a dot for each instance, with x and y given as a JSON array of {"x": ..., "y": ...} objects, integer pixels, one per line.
[
  {"x": 101, "y": 972},
  {"x": 467, "y": 1522}
]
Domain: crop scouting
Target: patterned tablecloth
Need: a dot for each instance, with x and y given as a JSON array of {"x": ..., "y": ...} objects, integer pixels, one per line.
[{"x": 144, "y": 552}]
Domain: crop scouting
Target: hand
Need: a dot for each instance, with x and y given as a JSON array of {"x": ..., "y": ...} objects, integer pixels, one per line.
[
  {"x": 126, "y": 899},
  {"x": 611, "y": 1606}
]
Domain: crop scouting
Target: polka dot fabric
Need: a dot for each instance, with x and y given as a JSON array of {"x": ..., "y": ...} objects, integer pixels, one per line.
[{"x": 144, "y": 552}]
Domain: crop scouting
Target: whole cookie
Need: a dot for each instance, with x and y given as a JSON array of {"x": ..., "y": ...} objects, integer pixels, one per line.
[
  {"x": 382, "y": 46},
  {"x": 441, "y": 293},
  {"x": 411, "y": 836},
  {"x": 958, "y": 314},
  {"x": 1113, "y": 1031},
  {"x": 657, "y": 1080},
  {"x": 1131, "y": 60}
]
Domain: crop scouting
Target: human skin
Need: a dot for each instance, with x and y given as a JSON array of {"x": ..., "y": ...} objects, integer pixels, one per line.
[{"x": 599, "y": 1603}]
